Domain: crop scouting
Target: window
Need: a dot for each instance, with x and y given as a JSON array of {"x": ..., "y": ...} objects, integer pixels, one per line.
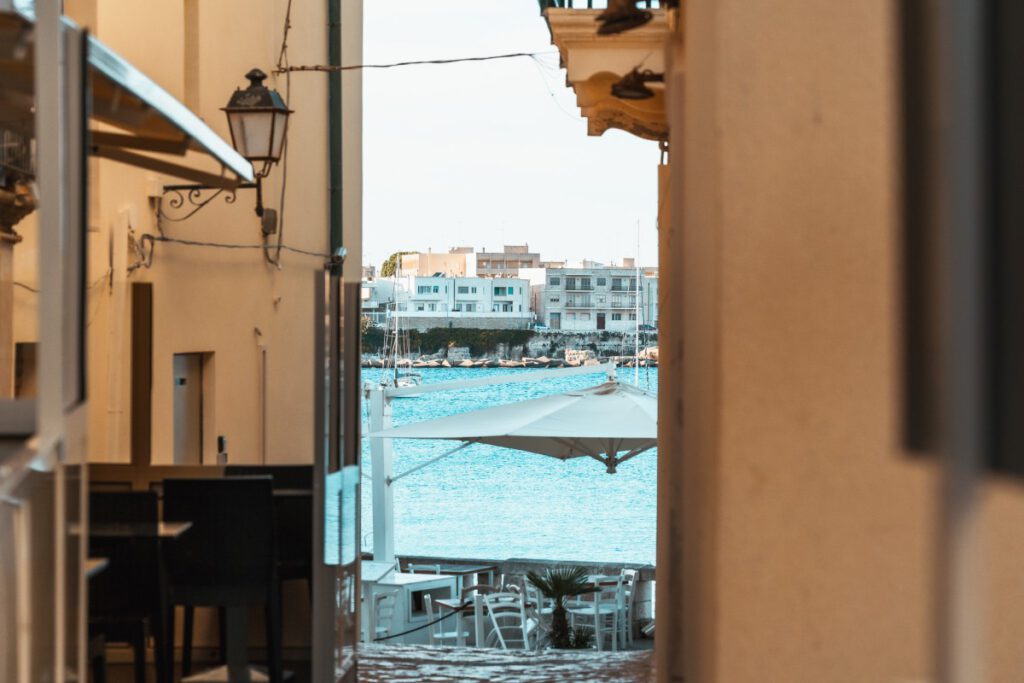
[
  {"x": 458, "y": 308},
  {"x": 432, "y": 307},
  {"x": 617, "y": 283},
  {"x": 555, "y": 281},
  {"x": 601, "y": 282},
  {"x": 502, "y": 291},
  {"x": 470, "y": 308},
  {"x": 436, "y": 289},
  {"x": 570, "y": 316},
  {"x": 423, "y": 289},
  {"x": 601, "y": 299},
  {"x": 632, "y": 316},
  {"x": 554, "y": 299},
  {"x": 584, "y": 316},
  {"x": 420, "y": 307},
  {"x": 616, "y": 316},
  {"x": 472, "y": 290},
  {"x": 584, "y": 283},
  {"x": 570, "y": 283},
  {"x": 463, "y": 290}
]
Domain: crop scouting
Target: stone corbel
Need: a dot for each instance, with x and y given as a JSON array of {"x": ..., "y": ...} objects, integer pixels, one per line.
[{"x": 16, "y": 202}]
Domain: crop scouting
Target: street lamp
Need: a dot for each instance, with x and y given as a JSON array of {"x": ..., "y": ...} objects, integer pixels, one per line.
[{"x": 258, "y": 121}]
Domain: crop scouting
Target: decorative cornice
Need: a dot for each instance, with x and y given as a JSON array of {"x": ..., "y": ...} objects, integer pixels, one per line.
[
  {"x": 15, "y": 203},
  {"x": 593, "y": 63}
]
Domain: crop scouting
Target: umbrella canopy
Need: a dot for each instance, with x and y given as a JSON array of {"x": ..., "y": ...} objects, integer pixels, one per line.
[{"x": 599, "y": 422}]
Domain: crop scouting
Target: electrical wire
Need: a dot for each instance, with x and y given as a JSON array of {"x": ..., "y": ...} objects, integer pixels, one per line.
[
  {"x": 28, "y": 287},
  {"x": 152, "y": 239},
  {"x": 417, "y": 62},
  {"x": 282, "y": 62}
]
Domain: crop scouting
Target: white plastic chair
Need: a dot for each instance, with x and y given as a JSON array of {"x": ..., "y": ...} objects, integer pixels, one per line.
[
  {"x": 600, "y": 612},
  {"x": 540, "y": 609},
  {"x": 626, "y": 617},
  {"x": 511, "y": 628},
  {"x": 443, "y": 631},
  {"x": 383, "y": 613}
]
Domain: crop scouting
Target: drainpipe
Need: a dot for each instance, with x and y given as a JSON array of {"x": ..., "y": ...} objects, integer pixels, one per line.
[{"x": 334, "y": 122}]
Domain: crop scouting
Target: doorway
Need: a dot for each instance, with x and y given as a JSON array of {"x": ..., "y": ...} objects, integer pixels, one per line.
[
  {"x": 189, "y": 386},
  {"x": 600, "y": 321}
]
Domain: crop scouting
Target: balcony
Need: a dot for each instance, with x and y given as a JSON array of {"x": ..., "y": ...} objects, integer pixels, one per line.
[
  {"x": 593, "y": 63},
  {"x": 579, "y": 304},
  {"x": 578, "y": 288}
]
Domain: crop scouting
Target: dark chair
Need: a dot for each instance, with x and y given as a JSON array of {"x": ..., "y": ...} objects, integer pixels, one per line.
[
  {"x": 124, "y": 599},
  {"x": 228, "y": 558},
  {"x": 293, "y": 516}
]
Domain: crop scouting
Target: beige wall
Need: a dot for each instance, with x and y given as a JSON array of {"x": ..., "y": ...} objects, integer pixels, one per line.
[
  {"x": 449, "y": 264},
  {"x": 208, "y": 300},
  {"x": 808, "y": 534}
]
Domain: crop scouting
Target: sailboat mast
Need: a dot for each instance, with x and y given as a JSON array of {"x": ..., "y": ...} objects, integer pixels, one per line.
[{"x": 636, "y": 311}]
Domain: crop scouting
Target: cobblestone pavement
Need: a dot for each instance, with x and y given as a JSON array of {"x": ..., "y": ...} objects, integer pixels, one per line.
[{"x": 424, "y": 664}]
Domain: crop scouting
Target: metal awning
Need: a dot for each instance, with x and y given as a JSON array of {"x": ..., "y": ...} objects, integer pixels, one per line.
[{"x": 149, "y": 119}]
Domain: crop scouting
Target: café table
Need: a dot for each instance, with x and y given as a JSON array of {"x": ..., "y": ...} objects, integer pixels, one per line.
[
  {"x": 157, "y": 533},
  {"x": 465, "y": 574}
]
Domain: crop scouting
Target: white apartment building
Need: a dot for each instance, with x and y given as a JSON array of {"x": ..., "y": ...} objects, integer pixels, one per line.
[
  {"x": 490, "y": 303},
  {"x": 593, "y": 298},
  {"x": 377, "y": 297}
]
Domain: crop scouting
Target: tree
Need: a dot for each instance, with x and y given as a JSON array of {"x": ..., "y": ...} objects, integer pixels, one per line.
[
  {"x": 559, "y": 584},
  {"x": 392, "y": 263}
]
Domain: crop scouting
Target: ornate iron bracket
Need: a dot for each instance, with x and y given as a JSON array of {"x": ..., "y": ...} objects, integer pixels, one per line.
[{"x": 181, "y": 202}]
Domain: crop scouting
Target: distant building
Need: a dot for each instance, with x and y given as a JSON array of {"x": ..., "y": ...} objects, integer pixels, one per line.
[
  {"x": 458, "y": 262},
  {"x": 491, "y": 303},
  {"x": 594, "y": 298},
  {"x": 377, "y": 298},
  {"x": 465, "y": 262},
  {"x": 506, "y": 263}
]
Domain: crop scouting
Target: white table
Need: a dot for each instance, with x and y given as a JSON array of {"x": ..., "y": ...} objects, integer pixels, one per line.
[{"x": 410, "y": 588}]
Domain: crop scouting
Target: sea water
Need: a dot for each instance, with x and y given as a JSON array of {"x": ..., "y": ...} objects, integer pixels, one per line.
[{"x": 496, "y": 503}]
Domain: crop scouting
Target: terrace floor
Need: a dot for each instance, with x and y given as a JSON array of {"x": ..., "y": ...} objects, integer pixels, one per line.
[
  {"x": 424, "y": 664},
  {"x": 402, "y": 663}
]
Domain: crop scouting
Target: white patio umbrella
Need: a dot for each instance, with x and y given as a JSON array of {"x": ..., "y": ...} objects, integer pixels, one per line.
[{"x": 611, "y": 423}]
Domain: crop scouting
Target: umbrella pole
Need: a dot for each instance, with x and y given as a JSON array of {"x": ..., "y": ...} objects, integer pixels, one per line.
[{"x": 381, "y": 459}]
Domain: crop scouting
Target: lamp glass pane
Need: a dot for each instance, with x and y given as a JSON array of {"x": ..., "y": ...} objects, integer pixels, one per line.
[
  {"x": 252, "y": 133},
  {"x": 280, "y": 127}
]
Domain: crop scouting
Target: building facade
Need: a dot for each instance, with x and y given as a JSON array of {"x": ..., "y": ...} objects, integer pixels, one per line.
[
  {"x": 490, "y": 303},
  {"x": 506, "y": 263},
  {"x": 593, "y": 298},
  {"x": 458, "y": 262}
]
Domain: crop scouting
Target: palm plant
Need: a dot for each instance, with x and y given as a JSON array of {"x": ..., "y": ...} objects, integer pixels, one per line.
[{"x": 559, "y": 584}]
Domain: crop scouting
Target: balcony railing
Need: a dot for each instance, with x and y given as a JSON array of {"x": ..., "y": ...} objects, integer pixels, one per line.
[
  {"x": 579, "y": 288},
  {"x": 595, "y": 4}
]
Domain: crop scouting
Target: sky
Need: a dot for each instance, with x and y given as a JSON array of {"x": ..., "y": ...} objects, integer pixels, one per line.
[{"x": 491, "y": 153}]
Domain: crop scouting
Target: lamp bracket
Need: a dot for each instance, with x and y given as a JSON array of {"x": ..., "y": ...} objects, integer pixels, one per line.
[{"x": 181, "y": 202}]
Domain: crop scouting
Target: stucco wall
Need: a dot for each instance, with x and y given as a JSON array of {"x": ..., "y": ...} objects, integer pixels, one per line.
[
  {"x": 819, "y": 563},
  {"x": 210, "y": 300},
  {"x": 808, "y": 537}
]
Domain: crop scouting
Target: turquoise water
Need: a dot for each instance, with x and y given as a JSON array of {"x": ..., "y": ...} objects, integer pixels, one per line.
[{"x": 498, "y": 503}]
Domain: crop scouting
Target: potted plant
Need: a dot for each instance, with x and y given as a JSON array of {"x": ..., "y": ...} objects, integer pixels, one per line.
[{"x": 558, "y": 584}]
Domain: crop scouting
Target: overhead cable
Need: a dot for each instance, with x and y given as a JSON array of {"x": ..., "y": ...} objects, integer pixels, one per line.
[{"x": 418, "y": 62}]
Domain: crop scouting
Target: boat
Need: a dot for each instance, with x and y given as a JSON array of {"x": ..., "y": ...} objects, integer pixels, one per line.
[{"x": 395, "y": 357}]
